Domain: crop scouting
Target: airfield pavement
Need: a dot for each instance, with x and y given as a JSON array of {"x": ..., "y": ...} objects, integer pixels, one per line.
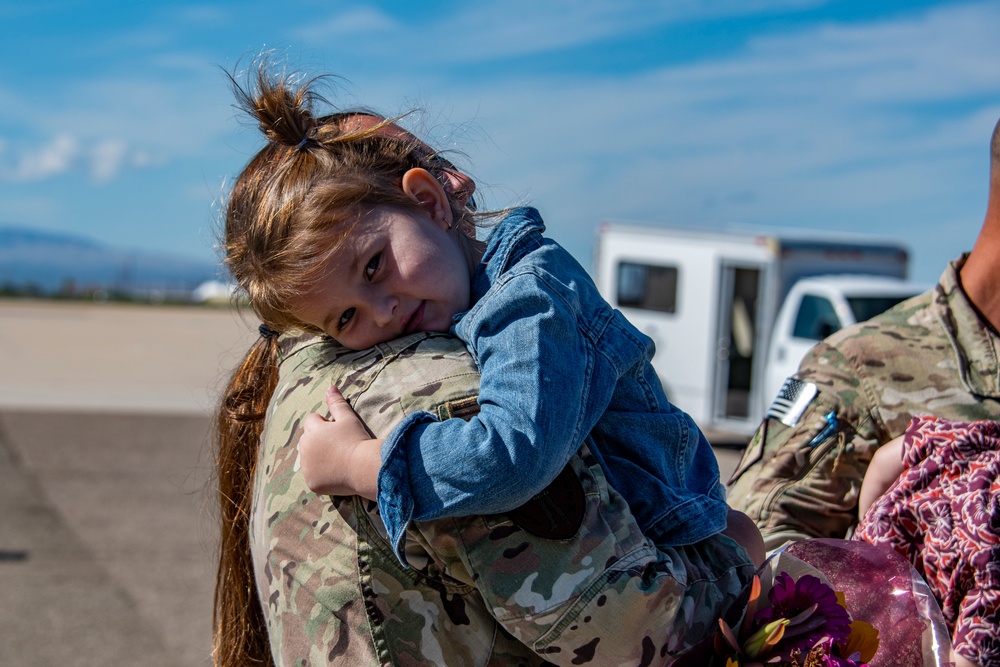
[{"x": 107, "y": 530}]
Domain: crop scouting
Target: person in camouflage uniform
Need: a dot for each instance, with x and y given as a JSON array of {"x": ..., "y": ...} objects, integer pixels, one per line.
[
  {"x": 936, "y": 354},
  {"x": 567, "y": 578}
]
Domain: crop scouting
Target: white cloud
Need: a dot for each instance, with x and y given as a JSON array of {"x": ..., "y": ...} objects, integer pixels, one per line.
[
  {"x": 63, "y": 154},
  {"x": 359, "y": 22},
  {"x": 115, "y": 124},
  {"x": 47, "y": 160},
  {"x": 141, "y": 159},
  {"x": 854, "y": 124},
  {"x": 937, "y": 55},
  {"x": 106, "y": 159},
  {"x": 203, "y": 15}
]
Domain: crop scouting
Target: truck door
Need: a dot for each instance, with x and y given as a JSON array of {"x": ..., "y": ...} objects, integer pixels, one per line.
[{"x": 737, "y": 342}]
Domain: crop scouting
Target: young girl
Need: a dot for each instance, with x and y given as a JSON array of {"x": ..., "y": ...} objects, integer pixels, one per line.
[
  {"x": 932, "y": 495},
  {"x": 340, "y": 226},
  {"x": 558, "y": 365}
]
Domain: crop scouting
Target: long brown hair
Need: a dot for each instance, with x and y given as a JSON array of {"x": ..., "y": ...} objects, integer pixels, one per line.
[
  {"x": 239, "y": 634},
  {"x": 293, "y": 203}
]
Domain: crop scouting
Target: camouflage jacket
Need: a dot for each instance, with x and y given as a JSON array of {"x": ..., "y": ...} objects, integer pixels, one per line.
[
  {"x": 930, "y": 355},
  {"x": 566, "y": 578}
]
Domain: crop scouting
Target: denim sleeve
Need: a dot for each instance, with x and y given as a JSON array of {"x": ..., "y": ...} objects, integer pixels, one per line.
[{"x": 536, "y": 366}]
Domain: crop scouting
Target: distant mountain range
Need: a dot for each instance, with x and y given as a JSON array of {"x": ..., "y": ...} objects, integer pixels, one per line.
[{"x": 58, "y": 263}]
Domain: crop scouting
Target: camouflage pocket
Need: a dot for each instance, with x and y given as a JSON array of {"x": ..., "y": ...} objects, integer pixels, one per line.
[
  {"x": 809, "y": 485},
  {"x": 797, "y": 467},
  {"x": 785, "y": 472}
]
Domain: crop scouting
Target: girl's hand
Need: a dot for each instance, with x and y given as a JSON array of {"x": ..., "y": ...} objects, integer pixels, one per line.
[{"x": 338, "y": 456}]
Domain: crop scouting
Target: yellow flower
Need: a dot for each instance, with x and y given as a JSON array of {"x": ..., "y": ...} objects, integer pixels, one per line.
[{"x": 863, "y": 641}]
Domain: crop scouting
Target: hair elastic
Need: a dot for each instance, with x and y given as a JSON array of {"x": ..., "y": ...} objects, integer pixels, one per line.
[
  {"x": 267, "y": 332},
  {"x": 301, "y": 144}
]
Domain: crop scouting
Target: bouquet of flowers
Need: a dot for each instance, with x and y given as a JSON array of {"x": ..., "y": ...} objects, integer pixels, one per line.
[
  {"x": 805, "y": 624},
  {"x": 836, "y": 603}
]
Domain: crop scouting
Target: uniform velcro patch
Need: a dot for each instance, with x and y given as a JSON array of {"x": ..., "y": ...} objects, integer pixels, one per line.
[
  {"x": 792, "y": 400},
  {"x": 557, "y": 512},
  {"x": 463, "y": 408}
]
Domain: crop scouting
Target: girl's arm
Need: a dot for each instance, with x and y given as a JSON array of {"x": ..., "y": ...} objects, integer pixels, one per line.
[
  {"x": 338, "y": 456},
  {"x": 528, "y": 427},
  {"x": 885, "y": 468}
]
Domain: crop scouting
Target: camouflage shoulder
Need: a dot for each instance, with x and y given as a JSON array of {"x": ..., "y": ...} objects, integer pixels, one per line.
[
  {"x": 309, "y": 363},
  {"x": 432, "y": 372},
  {"x": 850, "y": 372},
  {"x": 851, "y": 364},
  {"x": 911, "y": 318},
  {"x": 308, "y": 355}
]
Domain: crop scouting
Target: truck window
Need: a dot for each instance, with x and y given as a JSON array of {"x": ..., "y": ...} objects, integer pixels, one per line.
[
  {"x": 816, "y": 318},
  {"x": 867, "y": 307},
  {"x": 647, "y": 286}
]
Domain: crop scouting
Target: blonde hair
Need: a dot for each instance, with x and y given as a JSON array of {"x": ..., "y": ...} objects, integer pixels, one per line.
[{"x": 290, "y": 207}]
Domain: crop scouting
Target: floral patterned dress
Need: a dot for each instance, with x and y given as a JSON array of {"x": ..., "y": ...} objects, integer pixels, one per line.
[{"x": 943, "y": 515}]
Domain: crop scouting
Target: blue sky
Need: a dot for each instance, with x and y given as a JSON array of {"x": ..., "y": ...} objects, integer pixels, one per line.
[{"x": 117, "y": 122}]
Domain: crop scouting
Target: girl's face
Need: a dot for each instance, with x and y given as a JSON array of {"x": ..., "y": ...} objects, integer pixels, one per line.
[{"x": 400, "y": 272}]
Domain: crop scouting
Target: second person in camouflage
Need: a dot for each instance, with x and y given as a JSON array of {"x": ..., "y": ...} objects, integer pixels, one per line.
[{"x": 936, "y": 354}]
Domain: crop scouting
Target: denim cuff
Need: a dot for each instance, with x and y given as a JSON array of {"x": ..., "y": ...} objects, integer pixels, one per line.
[{"x": 395, "y": 498}]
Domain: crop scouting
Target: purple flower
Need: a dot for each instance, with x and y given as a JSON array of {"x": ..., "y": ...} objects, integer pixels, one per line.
[{"x": 812, "y": 609}]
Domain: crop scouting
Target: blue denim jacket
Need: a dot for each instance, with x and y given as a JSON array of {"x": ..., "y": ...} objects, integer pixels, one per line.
[{"x": 559, "y": 366}]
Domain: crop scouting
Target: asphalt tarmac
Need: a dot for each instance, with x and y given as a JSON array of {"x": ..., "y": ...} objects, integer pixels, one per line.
[
  {"x": 107, "y": 530},
  {"x": 107, "y": 526}
]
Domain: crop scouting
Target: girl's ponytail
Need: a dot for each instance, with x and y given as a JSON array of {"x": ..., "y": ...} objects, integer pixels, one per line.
[{"x": 239, "y": 629}]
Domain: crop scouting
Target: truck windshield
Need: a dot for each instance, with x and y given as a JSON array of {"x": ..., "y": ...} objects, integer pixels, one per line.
[{"x": 867, "y": 307}]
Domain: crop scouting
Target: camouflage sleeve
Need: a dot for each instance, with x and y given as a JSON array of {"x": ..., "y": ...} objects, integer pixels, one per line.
[
  {"x": 304, "y": 546},
  {"x": 802, "y": 480}
]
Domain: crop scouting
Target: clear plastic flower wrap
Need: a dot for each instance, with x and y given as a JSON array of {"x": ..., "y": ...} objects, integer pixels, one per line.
[
  {"x": 882, "y": 588},
  {"x": 835, "y": 603}
]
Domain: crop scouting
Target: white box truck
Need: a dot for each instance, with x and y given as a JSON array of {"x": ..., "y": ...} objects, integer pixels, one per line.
[{"x": 710, "y": 300}]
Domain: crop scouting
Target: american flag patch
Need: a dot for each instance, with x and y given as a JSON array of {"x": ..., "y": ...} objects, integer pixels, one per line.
[{"x": 792, "y": 400}]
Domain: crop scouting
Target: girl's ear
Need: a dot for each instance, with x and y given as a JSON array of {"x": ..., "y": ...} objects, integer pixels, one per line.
[{"x": 420, "y": 185}]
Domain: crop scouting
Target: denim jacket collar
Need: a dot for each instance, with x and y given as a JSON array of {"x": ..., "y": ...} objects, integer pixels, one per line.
[{"x": 505, "y": 247}]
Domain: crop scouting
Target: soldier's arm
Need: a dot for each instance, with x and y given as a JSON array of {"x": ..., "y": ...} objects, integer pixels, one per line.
[{"x": 801, "y": 473}]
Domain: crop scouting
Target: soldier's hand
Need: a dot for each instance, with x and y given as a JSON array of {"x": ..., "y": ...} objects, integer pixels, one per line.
[{"x": 338, "y": 456}]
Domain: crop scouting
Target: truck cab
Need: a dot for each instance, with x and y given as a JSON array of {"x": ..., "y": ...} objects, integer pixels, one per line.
[{"x": 817, "y": 307}]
